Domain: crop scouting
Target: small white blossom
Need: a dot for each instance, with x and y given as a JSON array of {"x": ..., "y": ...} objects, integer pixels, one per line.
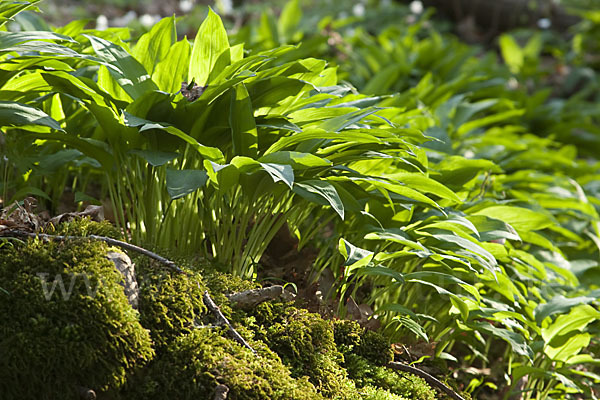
[
  {"x": 101, "y": 22},
  {"x": 186, "y": 5},
  {"x": 148, "y": 20},
  {"x": 416, "y": 7},
  {"x": 358, "y": 10},
  {"x": 544, "y": 23}
]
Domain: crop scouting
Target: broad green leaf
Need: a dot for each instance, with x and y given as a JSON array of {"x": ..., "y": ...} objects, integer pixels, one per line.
[
  {"x": 241, "y": 121},
  {"x": 521, "y": 219},
  {"x": 395, "y": 235},
  {"x": 8, "y": 9},
  {"x": 512, "y": 53},
  {"x": 323, "y": 190},
  {"x": 380, "y": 270},
  {"x": 172, "y": 70},
  {"x": 128, "y": 72},
  {"x": 559, "y": 304},
  {"x": 288, "y": 20},
  {"x": 296, "y": 159},
  {"x": 354, "y": 256},
  {"x": 154, "y": 45},
  {"x": 412, "y": 326},
  {"x": 183, "y": 182},
  {"x": 516, "y": 340},
  {"x": 211, "y": 50},
  {"x": 16, "y": 114},
  {"x": 155, "y": 157},
  {"x": 489, "y": 120},
  {"x": 343, "y": 121},
  {"x": 10, "y": 39},
  {"x": 576, "y": 320},
  {"x": 280, "y": 172},
  {"x": 493, "y": 229},
  {"x": 425, "y": 184},
  {"x": 563, "y": 351},
  {"x": 210, "y": 153}
]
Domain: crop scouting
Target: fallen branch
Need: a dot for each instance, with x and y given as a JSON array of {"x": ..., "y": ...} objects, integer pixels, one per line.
[
  {"x": 428, "y": 378},
  {"x": 249, "y": 299},
  {"x": 223, "y": 320}
]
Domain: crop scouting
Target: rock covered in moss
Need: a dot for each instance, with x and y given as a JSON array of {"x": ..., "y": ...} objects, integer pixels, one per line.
[
  {"x": 65, "y": 322},
  {"x": 305, "y": 343},
  {"x": 193, "y": 365},
  {"x": 365, "y": 373}
]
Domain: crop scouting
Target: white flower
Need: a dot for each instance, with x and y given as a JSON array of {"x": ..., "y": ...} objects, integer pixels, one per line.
[
  {"x": 544, "y": 23},
  {"x": 148, "y": 20},
  {"x": 416, "y": 7},
  {"x": 101, "y": 22},
  {"x": 358, "y": 10},
  {"x": 186, "y": 5}
]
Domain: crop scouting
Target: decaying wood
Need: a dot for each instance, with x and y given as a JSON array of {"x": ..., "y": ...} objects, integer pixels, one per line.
[
  {"x": 208, "y": 301},
  {"x": 221, "y": 392},
  {"x": 433, "y": 381},
  {"x": 249, "y": 299}
]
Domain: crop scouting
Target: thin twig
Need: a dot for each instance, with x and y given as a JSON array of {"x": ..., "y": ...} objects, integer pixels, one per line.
[
  {"x": 110, "y": 241},
  {"x": 223, "y": 320},
  {"x": 428, "y": 378}
]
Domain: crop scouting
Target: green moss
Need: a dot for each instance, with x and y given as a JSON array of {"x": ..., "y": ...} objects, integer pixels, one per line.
[
  {"x": 85, "y": 227},
  {"x": 351, "y": 337},
  {"x": 305, "y": 343},
  {"x": 194, "y": 364},
  {"x": 52, "y": 342},
  {"x": 365, "y": 373},
  {"x": 170, "y": 303},
  {"x": 375, "y": 393}
]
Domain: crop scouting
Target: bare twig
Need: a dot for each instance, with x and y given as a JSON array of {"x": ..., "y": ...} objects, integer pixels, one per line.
[
  {"x": 110, "y": 241},
  {"x": 428, "y": 378},
  {"x": 223, "y": 320}
]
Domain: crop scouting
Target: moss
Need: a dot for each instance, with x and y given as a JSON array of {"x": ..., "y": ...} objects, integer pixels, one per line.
[
  {"x": 51, "y": 342},
  {"x": 351, "y": 337},
  {"x": 365, "y": 373},
  {"x": 194, "y": 364},
  {"x": 170, "y": 303},
  {"x": 375, "y": 393},
  {"x": 305, "y": 342},
  {"x": 85, "y": 227}
]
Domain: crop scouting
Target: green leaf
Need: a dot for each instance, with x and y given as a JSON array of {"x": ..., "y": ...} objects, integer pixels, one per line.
[
  {"x": 296, "y": 159},
  {"x": 154, "y": 45},
  {"x": 288, "y": 20},
  {"x": 380, "y": 270},
  {"x": 516, "y": 340},
  {"x": 343, "y": 121},
  {"x": 354, "y": 256},
  {"x": 280, "y": 172},
  {"x": 521, "y": 219},
  {"x": 512, "y": 53},
  {"x": 128, "y": 72},
  {"x": 210, "y": 153},
  {"x": 425, "y": 184},
  {"x": 211, "y": 50},
  {"x": 324, "y": 190},
  {"x": 574, "y": 321},
  {"x": 9, "y": 39},
  {"x": 173, "y": 69},
  {"x": 559, "y": 304},
  {"x": 493, "y": 229},
  {"x": 395, "y": 235},
  {"x": 17, "y": 114},
  {"x": 563, "y": 351},
  {"x": 8, "y": 9},
  {"x": 241, "y": 120},
  {"x": 155, "y": 157},
  {"x": 412, "y": 326},
  {"x": 183, "y": 182}
]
